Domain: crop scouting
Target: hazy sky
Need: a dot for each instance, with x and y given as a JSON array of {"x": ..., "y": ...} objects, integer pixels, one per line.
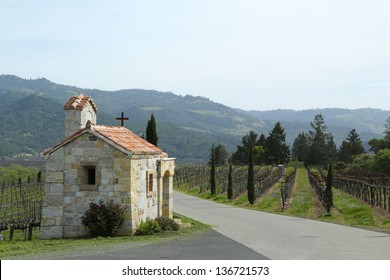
[{"x": 246, "y": 54}]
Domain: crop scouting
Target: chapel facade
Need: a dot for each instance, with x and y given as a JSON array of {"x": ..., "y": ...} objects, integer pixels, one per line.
[{"x": 97, "y": 162}]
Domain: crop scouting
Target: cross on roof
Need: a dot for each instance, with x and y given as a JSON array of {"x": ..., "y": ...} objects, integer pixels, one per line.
[{"x": 122, "y": 118}]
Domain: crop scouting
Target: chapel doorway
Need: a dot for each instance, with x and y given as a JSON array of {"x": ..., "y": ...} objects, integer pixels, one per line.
[{"x": 166, "y": 196}]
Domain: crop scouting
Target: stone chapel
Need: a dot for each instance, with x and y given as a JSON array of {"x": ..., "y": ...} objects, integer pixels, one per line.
[{"x": 96, "y": 162}]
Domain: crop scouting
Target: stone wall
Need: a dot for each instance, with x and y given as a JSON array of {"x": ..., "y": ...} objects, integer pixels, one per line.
[
  {"x": 143, "y": 184},
  {"x": 67, "y": 198},
  {"x": 77, "y": 119}
]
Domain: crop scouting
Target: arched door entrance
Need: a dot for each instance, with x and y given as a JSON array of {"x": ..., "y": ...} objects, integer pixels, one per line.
[{"x": 166, "y": 196}]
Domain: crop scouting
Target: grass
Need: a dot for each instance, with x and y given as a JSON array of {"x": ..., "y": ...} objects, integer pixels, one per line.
[
  {"x": 347, "y": 210},
  {"x": 19, "y": 247},
  {"x": 351, "y": 211},
  {"x": 303, "y": 202}
]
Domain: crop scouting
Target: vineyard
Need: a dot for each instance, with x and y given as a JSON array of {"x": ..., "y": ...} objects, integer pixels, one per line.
[
  {"x": 373, "y": 190},
  {"x": 21, "y": 203},
  {"x": 198, "y": 177},
  {"x": 21, "y": 206}
]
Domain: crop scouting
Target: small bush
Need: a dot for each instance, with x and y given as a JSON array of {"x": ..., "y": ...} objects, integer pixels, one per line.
[
  {"x": 148, "y": 227},
  {"x": 103, "y": 219},
  {"x": 167, "y": 224}
]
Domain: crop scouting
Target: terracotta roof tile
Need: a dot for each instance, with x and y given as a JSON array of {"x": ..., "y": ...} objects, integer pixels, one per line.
[
  {"x": 126, "y": 139},
  {"x": 119, "y": 135},
  {"x": 79, "y": 102}
]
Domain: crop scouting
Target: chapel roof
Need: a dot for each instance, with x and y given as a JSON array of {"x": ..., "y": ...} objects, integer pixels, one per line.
[
  {"x": 118, "y": 136},
  {"x": 79, "y": 102}
]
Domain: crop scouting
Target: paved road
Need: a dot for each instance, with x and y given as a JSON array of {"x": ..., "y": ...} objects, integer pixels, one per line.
[{"x": 285, "y": 238}]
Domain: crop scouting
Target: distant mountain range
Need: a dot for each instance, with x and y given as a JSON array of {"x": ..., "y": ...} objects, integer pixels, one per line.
[{"x": 32, "y": 118}]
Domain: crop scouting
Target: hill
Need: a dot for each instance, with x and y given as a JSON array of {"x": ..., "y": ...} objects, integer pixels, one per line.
[{"x": 32, "y": 118}]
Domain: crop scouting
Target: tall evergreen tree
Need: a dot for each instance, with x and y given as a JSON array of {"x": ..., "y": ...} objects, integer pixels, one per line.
[
  {"x": 251, "y": 178},
  {"x": 276, "y": 149},
  {"x": 331, "y": 149},
  {"x": 241, "y": 155},
  {"x": 351, "y": 147},
  {"x": 262, "y": 140},
  {"x": 212, "y": 172},
  {"x": 221, "y": 155},
  {"x": 151, "y": 131},
  {"x": 322, "y": 147},
  {"x": 300, "y": 148}
]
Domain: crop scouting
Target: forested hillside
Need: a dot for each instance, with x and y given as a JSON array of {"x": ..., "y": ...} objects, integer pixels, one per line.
[{"x": 32, "y": 118}]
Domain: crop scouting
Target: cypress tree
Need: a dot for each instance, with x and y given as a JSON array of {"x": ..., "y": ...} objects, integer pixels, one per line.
[
  {"x": 151, "y": 131},
  {"x": 328, "y": 190},
  {"x": 39, "y": 177},
  {"x": 230, "y": 183},
  {"x": 251, "y": 178},
  {"x": 212, "y": 174}
]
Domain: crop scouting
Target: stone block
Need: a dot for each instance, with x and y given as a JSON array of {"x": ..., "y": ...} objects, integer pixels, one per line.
[
  {"x": 124, "y": 181},
  {"x": 107, "y": 173},
  {"x": 54, "y": 177},
  {"x": 69, "y": 159},
  {"x": 106, "y": 163},
  {"x": 50, "y": 232},
  {"x": 77, "y": 152},
  {"x": 50, "y": 211},
  {"x": 71, "y": 188},
  {"x": 54, "y": 199},
  {"x": 55, "y": 161},
  {"x": 56, "y": 188},
  {"x": 48, "y": 221},
  {"x": 99, "y": 144}
]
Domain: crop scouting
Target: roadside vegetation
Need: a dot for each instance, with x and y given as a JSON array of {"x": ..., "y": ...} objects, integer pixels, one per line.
[{"x": 19, "y": 247}]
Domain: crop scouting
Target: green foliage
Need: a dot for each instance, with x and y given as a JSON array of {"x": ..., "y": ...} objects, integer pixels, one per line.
[
  {"x": 12, "y": 173},
  {"x": 379, "y": 144},
  {"x": 148, "y": 227},
  {"x": 276, "y": 149},
  {"x": 363, "y": 163},
  {"x": 103, "y": 219},
  {"x": 339, "y": 165},
  {"x": 322, "y": 147},
  {"x": 167, "y": 224},
  {"x": 300, "y": 148},
  {"x": 350, "y": 147},
  {"x": 270, "y": 150},
  {"x": 151, "y": 131},
  {"x": 220, "y": 155},
  {"x": 382, "y": 161},
  {"x": 241, "y": 156}
]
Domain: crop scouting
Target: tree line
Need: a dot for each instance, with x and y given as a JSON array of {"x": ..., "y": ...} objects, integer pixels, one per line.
[{"x": 315, "y": 147}]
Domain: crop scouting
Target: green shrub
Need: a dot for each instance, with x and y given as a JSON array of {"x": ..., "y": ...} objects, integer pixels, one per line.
[
  {"x": 103, "y": 219},
  {"x": 148, "y": 227},
  {"x": 167, "y": 224}
]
